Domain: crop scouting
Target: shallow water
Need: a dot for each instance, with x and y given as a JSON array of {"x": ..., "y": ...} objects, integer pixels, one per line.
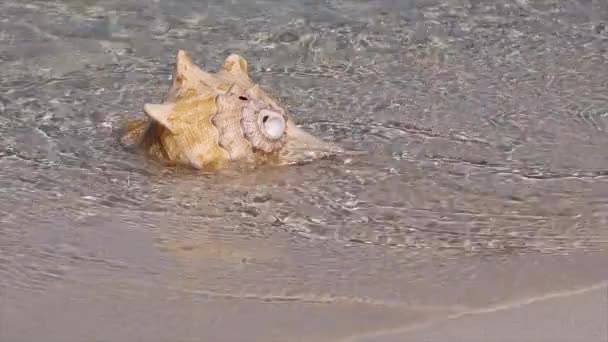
[{"x": 485, "y": 178}]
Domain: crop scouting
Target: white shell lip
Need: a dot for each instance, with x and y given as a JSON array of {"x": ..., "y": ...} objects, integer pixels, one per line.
[{"x": 271, "y": 123}]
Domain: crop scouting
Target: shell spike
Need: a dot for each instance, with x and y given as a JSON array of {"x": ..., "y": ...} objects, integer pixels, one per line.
[
  {"x": 235, "y": 65},
  {"x": 183, "y": 62},
  {"x": 160, "y": 113},
  {"x": 183, "y": 70}
]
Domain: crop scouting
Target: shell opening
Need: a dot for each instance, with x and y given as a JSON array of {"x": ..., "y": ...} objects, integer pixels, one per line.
[{"x": 272, "y": 124}]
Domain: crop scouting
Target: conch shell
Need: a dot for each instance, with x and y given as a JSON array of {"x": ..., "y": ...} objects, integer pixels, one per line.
[{"x": 209, "y": 119}]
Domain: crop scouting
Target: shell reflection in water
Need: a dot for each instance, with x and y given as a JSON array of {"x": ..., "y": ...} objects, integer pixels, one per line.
[{"x": 209, "y": 119}]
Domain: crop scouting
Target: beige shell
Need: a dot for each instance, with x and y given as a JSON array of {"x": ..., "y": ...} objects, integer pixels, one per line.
[{"x": 209, "y": 119}]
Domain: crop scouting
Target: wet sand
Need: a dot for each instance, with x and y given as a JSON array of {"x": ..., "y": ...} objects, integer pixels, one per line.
[
  {"x": 509, "y": 301},
  {"x": 573, "y": 316}
]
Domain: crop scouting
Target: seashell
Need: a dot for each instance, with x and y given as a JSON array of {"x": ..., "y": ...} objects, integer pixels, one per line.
[{"x": 209, "y": 119}]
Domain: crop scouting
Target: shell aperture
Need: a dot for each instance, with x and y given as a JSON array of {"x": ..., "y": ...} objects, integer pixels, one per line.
[{"x": 272, "y": 124}]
